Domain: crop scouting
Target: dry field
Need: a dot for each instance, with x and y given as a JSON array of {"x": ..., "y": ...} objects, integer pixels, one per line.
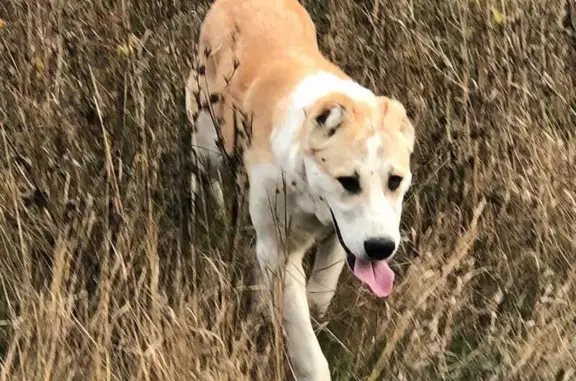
[{"x": 105, "y": 275}]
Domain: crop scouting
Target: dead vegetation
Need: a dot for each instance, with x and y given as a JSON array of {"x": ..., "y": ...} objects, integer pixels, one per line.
[{"x": 105, "y": 276}]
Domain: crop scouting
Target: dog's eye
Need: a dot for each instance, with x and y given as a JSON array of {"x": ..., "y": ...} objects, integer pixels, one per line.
[
  {"x": 350, "y": 183},
  {"x": 394, "y": 182}
]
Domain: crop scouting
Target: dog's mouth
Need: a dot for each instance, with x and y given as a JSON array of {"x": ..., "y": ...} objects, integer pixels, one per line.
[{"x": 376, "y": 274}]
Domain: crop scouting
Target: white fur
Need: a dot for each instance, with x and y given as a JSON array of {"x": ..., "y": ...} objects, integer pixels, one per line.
[{"x": 330, "y": 259}]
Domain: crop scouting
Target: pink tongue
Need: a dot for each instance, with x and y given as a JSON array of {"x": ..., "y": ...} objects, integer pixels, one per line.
[{"x": 377, "y": 275}]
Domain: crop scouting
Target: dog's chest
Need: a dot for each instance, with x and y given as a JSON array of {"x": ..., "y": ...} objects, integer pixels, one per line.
[
  {"x": 296, "y": 208},
  {"x": 307, "y": 211}
]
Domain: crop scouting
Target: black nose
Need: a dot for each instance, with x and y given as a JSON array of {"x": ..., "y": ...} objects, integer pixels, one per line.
[{"x": 379, "y": 248}]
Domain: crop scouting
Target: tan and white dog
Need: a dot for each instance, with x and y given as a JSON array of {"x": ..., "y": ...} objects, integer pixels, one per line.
[{"x": 327, "y": 160}]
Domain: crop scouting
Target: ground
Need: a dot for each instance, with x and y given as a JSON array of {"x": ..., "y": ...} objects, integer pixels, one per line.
[{"x": 105, "y": 275}]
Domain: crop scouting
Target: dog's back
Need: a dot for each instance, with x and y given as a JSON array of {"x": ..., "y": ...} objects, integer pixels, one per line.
[
  {"x": 263, "y": 27},
  {"x": 251, "y": 54}
]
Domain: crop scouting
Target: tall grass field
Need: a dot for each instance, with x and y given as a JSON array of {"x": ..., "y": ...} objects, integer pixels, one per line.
[{"x": 109, "y": 273}]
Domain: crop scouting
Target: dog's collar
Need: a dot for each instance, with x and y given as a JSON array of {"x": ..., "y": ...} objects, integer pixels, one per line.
[{"x": 350, "y": 258}]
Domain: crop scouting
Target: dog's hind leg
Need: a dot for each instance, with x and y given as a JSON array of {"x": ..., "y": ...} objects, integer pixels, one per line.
[
  {"x": 207, "y": 156},
  {"x": 330, "y": 258}
]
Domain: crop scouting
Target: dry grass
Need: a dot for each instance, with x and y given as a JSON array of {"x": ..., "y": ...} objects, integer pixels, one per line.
[{"x": 104, "y": 276}]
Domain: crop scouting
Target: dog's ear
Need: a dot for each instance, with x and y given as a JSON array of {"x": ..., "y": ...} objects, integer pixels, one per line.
[
  {"x": 330, "y": 118},
  {"x": 395, "y": 117},
  {"x": 326, "y": 120}
]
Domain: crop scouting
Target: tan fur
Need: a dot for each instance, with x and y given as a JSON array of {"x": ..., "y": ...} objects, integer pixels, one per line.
[{"x": 273, "y": 54}]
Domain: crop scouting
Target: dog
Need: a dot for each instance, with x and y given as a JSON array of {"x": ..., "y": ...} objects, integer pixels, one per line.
[{"x": 327, "y": 161}]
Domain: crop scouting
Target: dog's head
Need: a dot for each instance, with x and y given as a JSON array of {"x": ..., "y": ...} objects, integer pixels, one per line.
[{"x": 358, "y": 161}]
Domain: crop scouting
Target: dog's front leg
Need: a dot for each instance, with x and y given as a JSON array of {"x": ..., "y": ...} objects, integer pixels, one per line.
[
  {"x": 328, "y": 264},
  {"x": 304, "y": 350},
  {"x": 280, "y": 249},
  {"x": 303, "y": 346}
]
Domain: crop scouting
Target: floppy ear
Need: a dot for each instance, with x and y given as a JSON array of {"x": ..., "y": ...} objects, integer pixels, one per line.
[
  {"x": 395, "y": 118},
  {"x": 330, "y": 118},
  {"x": 326, "y": 121}
]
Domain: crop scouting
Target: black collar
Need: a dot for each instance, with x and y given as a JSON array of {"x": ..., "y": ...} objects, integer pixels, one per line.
[{"x": 350, "y": 258}]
